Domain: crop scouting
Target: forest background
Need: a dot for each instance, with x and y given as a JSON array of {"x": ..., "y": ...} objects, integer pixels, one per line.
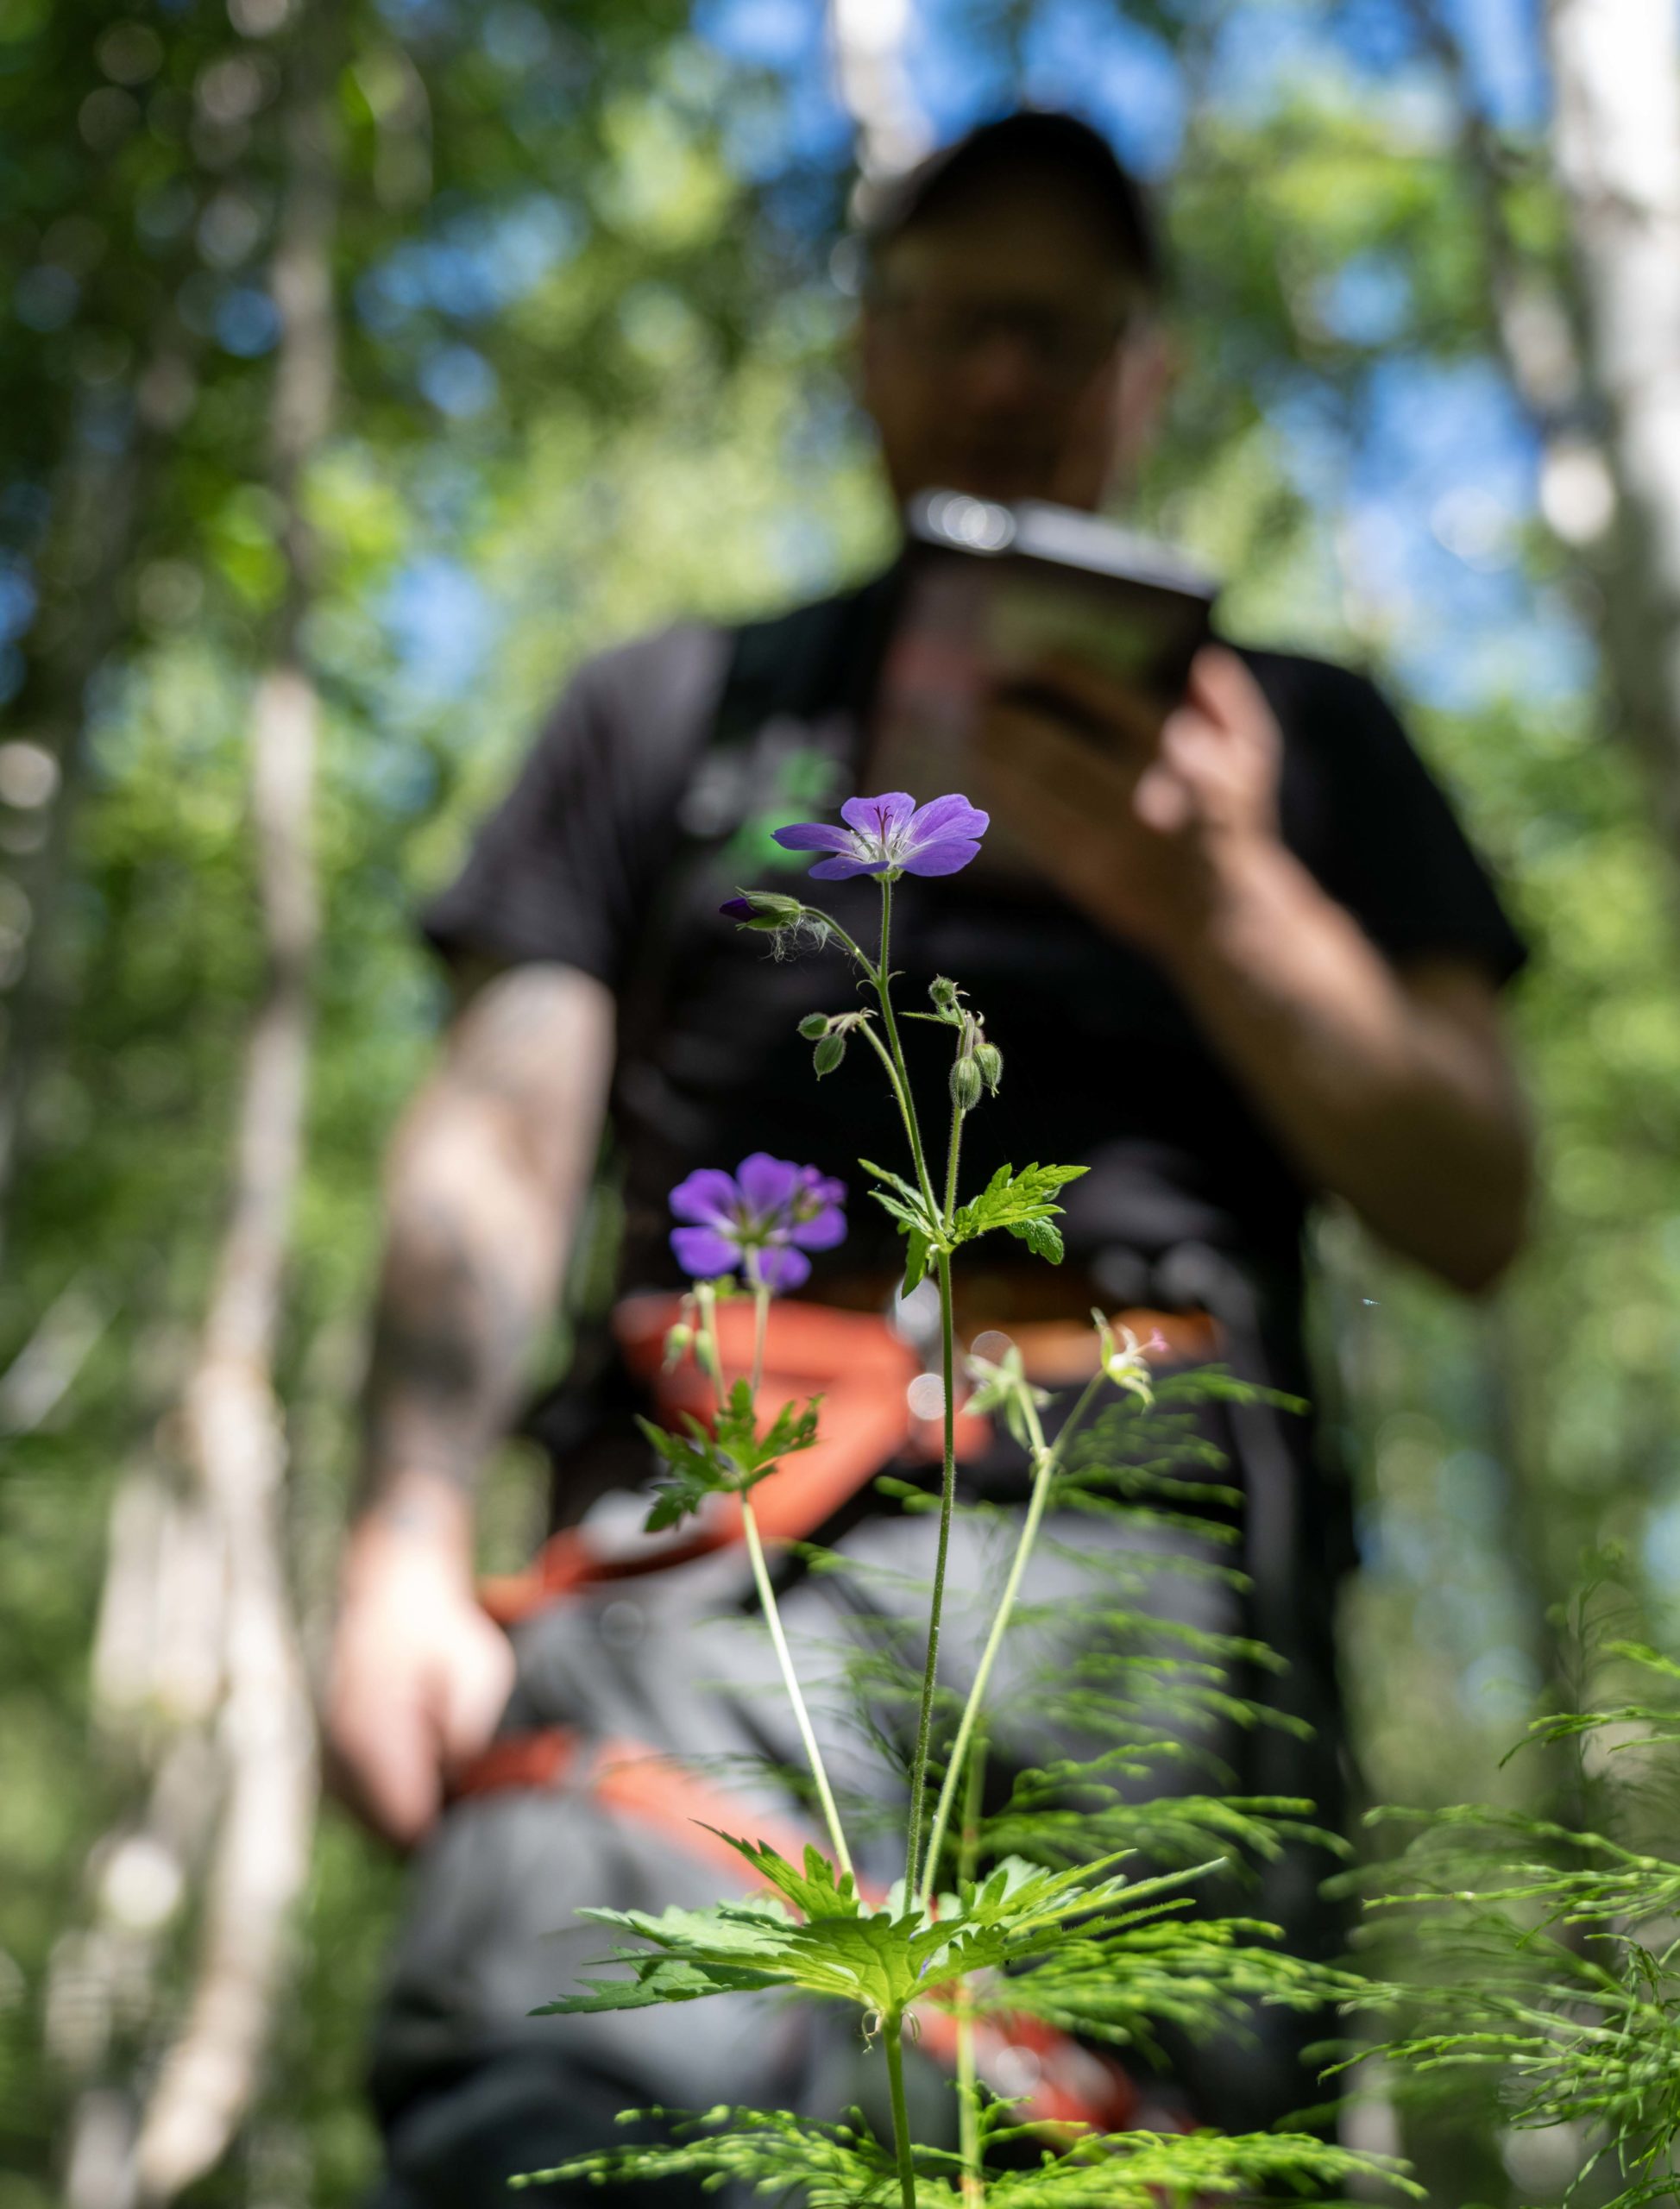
[{"x": 362, "y": 367}]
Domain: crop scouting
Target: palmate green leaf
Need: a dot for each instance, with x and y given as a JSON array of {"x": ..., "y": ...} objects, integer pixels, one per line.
[
  {"x": 1021, "y": 1203},
  {"x": 728, "y": 1460},
  {"x": 843, "y": 1948},
  {"x": 843, "y": 2166}
]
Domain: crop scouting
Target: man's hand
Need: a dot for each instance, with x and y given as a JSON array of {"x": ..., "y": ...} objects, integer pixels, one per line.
[
  {"x": 1142, "y": 830},
  {"x": 1393, "y": 1090},
  {"x": 419, "y": 1675}
]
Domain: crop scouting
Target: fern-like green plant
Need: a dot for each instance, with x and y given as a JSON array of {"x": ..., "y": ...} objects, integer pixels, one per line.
[
  {"x": 1546, "y": 1955},
  {"x": 1069, "y": 1903}
]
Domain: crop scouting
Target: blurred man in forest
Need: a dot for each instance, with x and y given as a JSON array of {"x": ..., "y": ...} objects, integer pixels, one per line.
[{"x": 1265, "y": 916}]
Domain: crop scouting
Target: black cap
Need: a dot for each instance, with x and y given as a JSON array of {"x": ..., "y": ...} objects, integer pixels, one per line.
[{"x": 1037, "y": 140}]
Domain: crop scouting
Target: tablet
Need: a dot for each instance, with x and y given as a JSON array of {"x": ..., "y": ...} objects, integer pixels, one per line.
[{"x": 990, "y": 591}]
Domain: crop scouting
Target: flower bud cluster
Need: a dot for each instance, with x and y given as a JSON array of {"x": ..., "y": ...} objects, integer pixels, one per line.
[
  {"x": 829, "y": 1032},
  {"x": 978, "y": 1066}
]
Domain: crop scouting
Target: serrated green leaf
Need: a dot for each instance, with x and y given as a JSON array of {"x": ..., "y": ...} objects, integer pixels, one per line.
[
  {"x": 906, "y": 1189},
  {"x": 906, "y": 1218},
  {"x": 1040, "y": 1236},
  {"x": 729, "y": 1461},
  {"x": 1019, "y": 1202}
]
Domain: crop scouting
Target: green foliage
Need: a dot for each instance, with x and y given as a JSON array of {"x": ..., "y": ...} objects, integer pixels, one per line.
[
  {"x": 840, "y": 2165},
  {"x": 1019, "y": 1203},
  {"x": 1123, "y": 1966},
  {"x": 1545, "y": 1956},
  {"x": 729, "y": 1459}
]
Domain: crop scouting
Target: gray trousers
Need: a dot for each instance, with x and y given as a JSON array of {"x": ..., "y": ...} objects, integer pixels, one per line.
[{"x": 678, "y": 1665}]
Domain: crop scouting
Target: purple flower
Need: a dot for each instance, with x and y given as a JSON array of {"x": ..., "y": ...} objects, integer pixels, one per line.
[
  {"x": 763, "y": 1218},
  {"x": 893, "y": 835}
]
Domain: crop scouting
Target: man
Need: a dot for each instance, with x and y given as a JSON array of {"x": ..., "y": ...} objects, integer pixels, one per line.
[{"x": 1264, "y": 967}]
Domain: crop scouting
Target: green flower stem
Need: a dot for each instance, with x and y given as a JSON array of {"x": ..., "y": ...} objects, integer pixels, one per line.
[
  {"x": 891, "y": 2031},
  {"x": 968, "y": 2086},
  {"x": 883, "y": 979},
  {"x": 755, "y": 1550},
  {"x": 947, "y": 1500},
  {"x": 1046, "y": 1458},
  {"x": 899, "y": 1095},
  {"x": 760, "y": 1324},
  {"x": 893, "y": 1054},
  {"x": 951, "y": 1157}
]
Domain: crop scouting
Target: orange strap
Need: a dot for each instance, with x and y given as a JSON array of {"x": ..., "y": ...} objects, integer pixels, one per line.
[{"x": 861, "y": 1369}]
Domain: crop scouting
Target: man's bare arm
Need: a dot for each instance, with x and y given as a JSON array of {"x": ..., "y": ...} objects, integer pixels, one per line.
[
  {"x": 484, "y": 1182},
  {"x": 1393, "y": 1090}
]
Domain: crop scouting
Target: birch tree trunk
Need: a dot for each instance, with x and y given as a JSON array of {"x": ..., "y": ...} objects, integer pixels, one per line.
[
  {"x": 867, "y": 38},
  {"x": 1615, "y": 67},
  {"x": 249, "y": 1714},
  {"x": 234, "y": 1427}
]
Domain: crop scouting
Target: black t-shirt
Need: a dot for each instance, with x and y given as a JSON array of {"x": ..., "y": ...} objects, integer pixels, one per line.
[{"x": 648, "y": 799}]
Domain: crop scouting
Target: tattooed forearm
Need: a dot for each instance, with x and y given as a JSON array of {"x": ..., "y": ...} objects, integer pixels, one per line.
[
  {"x": 485, "y": 1179},
  {"x": 451, "y": 1334}
]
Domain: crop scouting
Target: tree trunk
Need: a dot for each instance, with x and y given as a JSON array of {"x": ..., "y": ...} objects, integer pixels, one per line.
[
  {"x": 234, "y": 1427},
  {"x": 252, "y": 1713},
  {"x": 1615, "y": 68}
]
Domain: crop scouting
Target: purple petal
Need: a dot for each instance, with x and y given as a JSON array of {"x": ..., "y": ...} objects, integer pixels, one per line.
[
  {"x": 877, "y": 816},
  {"x": 816, "y": 1188},
  {"x": 812, "y": 836},
  {"x": 821, "y": 1233},
  {"x": 768, "y": 1184},
  {"x": 945, "y": 857},
  {"x": 702, "y": 1253},
  {"x": 708, "y": 1197},
  {"x": 736, "y": 908},
  {"x": 839, "y": 870},
  {"x": 782, "y": 1269},
  {"x": 948, "y": 816}
]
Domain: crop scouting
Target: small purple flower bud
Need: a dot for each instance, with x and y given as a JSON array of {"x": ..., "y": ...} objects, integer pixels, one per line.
[{"x": 768, "y": 910}]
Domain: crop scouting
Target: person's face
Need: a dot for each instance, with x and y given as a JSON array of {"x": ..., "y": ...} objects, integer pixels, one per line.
[{"x": 994, "y": 351}]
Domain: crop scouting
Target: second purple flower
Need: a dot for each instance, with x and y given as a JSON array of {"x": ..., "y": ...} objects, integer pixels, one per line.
[
  {"x": 762, "y": 1218},
  {"x": 892, "y": 834}
]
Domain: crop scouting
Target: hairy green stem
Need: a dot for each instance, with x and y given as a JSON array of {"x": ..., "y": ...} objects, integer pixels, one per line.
[
  {"x": 884, "y": 991},
  {"x": 947, "y": 1500},
  {"x": 891, "y": 2030},
  {"x": 951, "y": 1157},
  {"x": 1046, "y": 1458}
]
